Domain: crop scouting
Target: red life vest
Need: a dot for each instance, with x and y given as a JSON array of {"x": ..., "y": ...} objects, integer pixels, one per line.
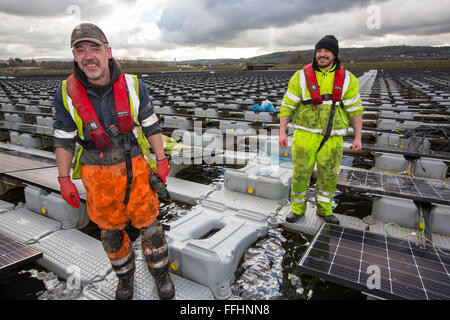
[
  {"x": 314, "y": 90},
  {"x": 84, "y": 107}
]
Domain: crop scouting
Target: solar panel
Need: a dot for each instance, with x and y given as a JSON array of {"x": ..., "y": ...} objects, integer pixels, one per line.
[
  {"x": 403, "y": 186},
  {"x": 46, "y": 177},
  {"x": 13, "y": 253},
  {"x": 21, "y": 127},
  {"x": 382, "y": 266},
  {"x": 407, "y": 152},
  {"x": 11, "y": 163}
]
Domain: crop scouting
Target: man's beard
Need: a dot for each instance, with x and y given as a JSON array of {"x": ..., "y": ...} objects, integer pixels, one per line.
[{"x": 328, "y": 63}]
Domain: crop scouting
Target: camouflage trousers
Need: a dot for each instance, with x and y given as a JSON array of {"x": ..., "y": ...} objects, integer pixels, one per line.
[{"x": 305, "y": 157}]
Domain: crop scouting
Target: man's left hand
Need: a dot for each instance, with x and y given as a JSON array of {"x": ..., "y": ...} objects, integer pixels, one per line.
[
  {"x": 162, "y": 167},
  {"x": 357, "y": 144}
]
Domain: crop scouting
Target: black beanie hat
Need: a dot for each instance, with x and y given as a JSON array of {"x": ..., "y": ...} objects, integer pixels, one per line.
[{"x": 328, "y": 42}]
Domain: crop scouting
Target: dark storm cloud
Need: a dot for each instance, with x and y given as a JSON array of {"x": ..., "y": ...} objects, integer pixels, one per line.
[
  {"x": 215, "y": 22},
  {"x": 35, "y": 8},
  {"x": 51, "y": 8},
  {"x": 42, "y": 28}
]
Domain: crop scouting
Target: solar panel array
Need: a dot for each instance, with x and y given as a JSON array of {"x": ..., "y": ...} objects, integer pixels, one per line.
[
  {"x": 382, "y": 266},
  {"x": 13, "y": 253},
  {"x": 11, "y": 162},
  {"x": 412, "y": 152},
  {"x": 396, "y": 185}
]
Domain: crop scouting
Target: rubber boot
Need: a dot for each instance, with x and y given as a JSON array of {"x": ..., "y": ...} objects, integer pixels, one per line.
[
  {"x": 164, "y": 284},
  {"x": 156, "y": 253},
  {"x": 125, "y": 288},
  {"x": 119, "y": 250},
  {"x": 330, "y": 219},
  {"x": 293, "y": 217}
]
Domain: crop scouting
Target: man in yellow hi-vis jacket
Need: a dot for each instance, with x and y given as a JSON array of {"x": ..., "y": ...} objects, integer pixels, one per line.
[{"x": 321, "y": 89}]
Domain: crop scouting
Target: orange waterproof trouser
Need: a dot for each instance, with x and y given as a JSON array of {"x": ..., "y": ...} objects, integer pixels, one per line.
[{"x": 105, "y": 191}]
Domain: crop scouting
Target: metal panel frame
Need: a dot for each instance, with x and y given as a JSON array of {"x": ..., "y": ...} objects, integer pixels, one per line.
[{"x": 364, "y": 288}]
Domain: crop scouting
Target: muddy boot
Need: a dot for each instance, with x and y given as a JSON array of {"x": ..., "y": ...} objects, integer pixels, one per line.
[
  {"x": 164, "y": 284},
  {"x": 154, "y": 247},
  {"x": 293, "y": 217},
  {"x": 125, "y": 288},
  {"x": 119, "y": 250},
  {"x": 329, "y": 219}
]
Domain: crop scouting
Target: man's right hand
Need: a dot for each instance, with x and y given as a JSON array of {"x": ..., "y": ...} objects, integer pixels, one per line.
[
  {"x": 162, "y": 169},
  {"x": 69, "y": 191},
  {"x": 282, "y": 140}
]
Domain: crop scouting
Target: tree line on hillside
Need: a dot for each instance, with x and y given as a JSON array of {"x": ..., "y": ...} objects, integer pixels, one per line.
[
  {"x": 68, "y": 65},
  {"x": 360, "y": 55}
]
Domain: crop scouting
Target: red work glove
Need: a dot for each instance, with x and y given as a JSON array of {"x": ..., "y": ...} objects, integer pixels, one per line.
[
  {"x": 69, "y": 191},
  {"x": 162, "y": 168}
]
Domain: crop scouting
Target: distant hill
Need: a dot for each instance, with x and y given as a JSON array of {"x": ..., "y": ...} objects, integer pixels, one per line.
[
  {"x": 390, "y": 57},
  {"x": 55, "y": 59},
  {"x": 371, "y": 54}
]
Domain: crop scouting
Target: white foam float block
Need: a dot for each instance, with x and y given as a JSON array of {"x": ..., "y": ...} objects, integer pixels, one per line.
[
  {"x": 379, "y": 227},
  {"x": 235, "y": 200},
  {"x": 187, "y": 191},
  {"x": 5, "y": 206}
]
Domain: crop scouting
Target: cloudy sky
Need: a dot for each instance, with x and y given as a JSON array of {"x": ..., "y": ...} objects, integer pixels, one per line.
[{"x": 193, "y": 29}]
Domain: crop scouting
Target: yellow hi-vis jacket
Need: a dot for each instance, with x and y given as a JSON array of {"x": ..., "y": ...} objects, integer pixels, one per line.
[{"x": 314, "y": 118}]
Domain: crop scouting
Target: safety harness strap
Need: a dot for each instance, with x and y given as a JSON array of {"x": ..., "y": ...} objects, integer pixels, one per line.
[
  {"x": 329, "y": 126},
  {"x": 84, "y": 107},
  {"x": 87, "y": 113},
  {"x": 128, "y": 164},
  {"x": 120, "y": 89},
  {"x": 316, "y": 98},
  {"x": 325, "y": 97},
  {"x": 338, "y": 84},
  {"x": 314, "y": 90},
  {"x": 311, "y": 82}
]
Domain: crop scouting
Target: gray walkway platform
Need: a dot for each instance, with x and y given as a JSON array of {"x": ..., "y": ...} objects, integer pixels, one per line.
[
  {"x": 187, "y": 191},
  {"x": 73, "y": 255},
  {"x": 237, "y": 201},
  {"x": 81, "y": 259},
  {"x": 26, "y": 226},
  {"x": 5, "y": 206},
  {"x": 144, "y": 285},
  {"x": 311, "y": 223}
]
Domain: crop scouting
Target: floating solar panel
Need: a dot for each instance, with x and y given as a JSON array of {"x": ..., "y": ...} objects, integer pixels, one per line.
[
  {"x": 45, "y": 177},
  {"x": 382, "y": 266},
  {"x": 27, "y": 113},
  {"x": 403, "y": 186},
  {"x": 13, "y": 253},
  {"x": 407, "y": 152},
  {"x": 21, "y": 127},
  {"x": 11, "y": 163}
]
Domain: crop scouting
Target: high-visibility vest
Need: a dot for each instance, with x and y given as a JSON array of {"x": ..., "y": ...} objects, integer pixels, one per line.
[
  {"x": 313, "y": 117},
  {"x": 80, "y": 108}
]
